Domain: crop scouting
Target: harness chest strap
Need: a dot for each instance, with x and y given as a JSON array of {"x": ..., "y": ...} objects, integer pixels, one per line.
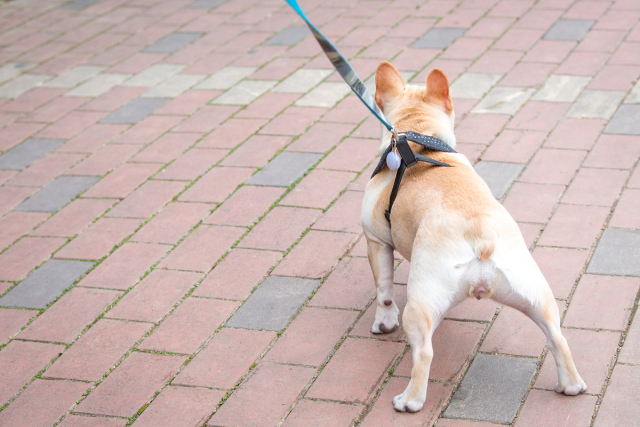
[{"x": 409, "y": 159}]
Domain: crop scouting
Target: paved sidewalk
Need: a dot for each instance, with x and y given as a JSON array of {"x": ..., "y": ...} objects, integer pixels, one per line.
[{"x": 180, "y": 189}]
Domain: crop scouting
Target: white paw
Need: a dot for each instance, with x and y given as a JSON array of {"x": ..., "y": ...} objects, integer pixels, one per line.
[
  {"x": 401, "y": 404},
  {"x": 386, "y": 320},
  {"x": 572, "y": 389}
]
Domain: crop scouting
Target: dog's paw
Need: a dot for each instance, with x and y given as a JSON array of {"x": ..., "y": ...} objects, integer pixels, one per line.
[
  {"x": 401, "y": 404},
  {"x": 386, "y": 320},
  {"x": 572, "y": 388}
]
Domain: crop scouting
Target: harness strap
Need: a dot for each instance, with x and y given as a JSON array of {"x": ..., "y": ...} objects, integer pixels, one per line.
[{"x": 409, "y": 159}]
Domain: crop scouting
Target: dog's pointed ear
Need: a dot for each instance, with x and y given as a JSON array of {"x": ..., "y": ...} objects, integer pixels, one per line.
[
  {"x": 389, "y": 84},
  {"x": 438, "y": 89}
]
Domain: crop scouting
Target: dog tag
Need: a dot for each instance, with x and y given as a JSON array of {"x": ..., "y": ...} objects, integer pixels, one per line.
[{"x": 393, "y": 161}]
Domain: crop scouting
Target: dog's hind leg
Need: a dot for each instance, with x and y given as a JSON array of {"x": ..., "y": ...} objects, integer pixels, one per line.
[
  {"x": 526, "y": 289},
  {"x": 381, "y": 261}
]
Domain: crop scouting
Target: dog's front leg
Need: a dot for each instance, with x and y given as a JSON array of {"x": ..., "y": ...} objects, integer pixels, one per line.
[{"x": 381, "y": 261}]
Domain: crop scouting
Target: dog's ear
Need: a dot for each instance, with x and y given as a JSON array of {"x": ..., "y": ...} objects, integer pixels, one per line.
[
  {"x": 389, "y": 84},
  {"x": 438, "y": 89}
]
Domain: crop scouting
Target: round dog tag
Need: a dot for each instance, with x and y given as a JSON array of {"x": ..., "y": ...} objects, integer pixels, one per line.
[{"x": 393, "y": 161}]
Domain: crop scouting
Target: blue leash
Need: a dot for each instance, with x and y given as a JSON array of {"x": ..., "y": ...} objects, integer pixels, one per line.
[{"x": 344, "y": 68}]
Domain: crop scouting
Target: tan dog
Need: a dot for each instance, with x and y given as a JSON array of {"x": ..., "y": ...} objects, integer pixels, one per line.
[{"x": 460, "y": 241}]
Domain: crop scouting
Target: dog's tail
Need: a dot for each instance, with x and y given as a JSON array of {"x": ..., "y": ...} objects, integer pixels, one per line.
[{"x": 484, "y": 239}]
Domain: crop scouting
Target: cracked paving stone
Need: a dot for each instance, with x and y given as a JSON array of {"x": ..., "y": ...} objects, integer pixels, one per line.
[
  {"x": 24, "y": 154},
  {"x": 492, "y": 389},
  {"x": 625, "y": 121},
  {"x": 503, "y": 100},
  {"x": 45, "y": 284},
  {"x": 438, "y": 38},
  {"x": 569, "y": 29},
  {"x": 173, "y": 42},
  {"x": 561, "y": 88},
  {"x": 57, "y": 194},
  {"x": 135, "y": 110},
  {"x": 498, "y": 175},
  {"x": 273, "y": 304},
  {"x": 290, "y": 36},
  {"x": 617, "y": 253},
  {"x": 285, "y": 169},
  {"x": 596, "y": 104}
]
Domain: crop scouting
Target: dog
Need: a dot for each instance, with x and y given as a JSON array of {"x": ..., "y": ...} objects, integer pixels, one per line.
[{"x": 459, "y": 240}]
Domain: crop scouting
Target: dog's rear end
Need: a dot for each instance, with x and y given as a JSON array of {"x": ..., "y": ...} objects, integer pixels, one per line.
[{"x": 460, "y": 241}]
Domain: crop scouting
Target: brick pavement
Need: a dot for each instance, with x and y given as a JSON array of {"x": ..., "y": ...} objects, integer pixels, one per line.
[{"x": 180, "y": 183}]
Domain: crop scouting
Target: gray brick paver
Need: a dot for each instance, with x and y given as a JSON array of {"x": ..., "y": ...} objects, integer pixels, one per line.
[
  {"x": 57, "y": 194},
  {"x": 135, "y": 110},
  {"x": 173, "y": 42},
  {"x": 569, "y": 29},
  {"x": 24, "y": 154},
  {"x": 285, "y": 169},
  {"x": 617, "y": 253},
  {"x": 289, "y": 36},
  {"x": 438, "y": 38},
  {"x": 273, "y": 304},
  {"x": 498, "y": 175},
  {"x": 492, "y": 389},
  {"x": 45, "y": 284},
  {"x": 625, "y": 121}
]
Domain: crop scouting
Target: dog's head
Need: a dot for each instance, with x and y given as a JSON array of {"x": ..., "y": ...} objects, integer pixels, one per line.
[{"x": 427, "y": 110}]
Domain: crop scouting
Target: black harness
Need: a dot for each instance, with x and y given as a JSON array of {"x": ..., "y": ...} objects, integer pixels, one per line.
[{"x": 409, "y": 158}]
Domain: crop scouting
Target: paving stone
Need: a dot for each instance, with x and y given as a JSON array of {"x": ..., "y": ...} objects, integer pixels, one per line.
[
  {"x": 301, "y": 345},
  {"x": 625, "y": 121},
  {"x": 162, "y": 287},
  {"x": 492, "y": 389},
  {"x": 174, "y": 86},
  {"x": 561, "y": 88},
  {"x": 438, "y": 38},
  {"x": 22, "y": 84},
  {"x": 473, "y": 85},
  {"x": 307, "y": 413},
  {"x": 11, "y": 321},
  {"x": 384, "y": 415},
  {"x": 225, "y": 78},
  {"x": 273, "y": 304},
  {"x": 172, "y": 42},
  {"x": 11, "y": 70},
  {"x": 180, "y": 406},
  {"x": 285, "y": 169},
  {"x": 24, "y": 154},
  {"x": 75, "y": 76},
  {"x": 154, "y": 75},
  {"x": 42, "y": 403},
  {"x": 57, "y": 194},
  {"x": 131, "y": 384},
  {"x": 245, "y": 206},
  {"x": 67, "y": 317},
  {"x": 17, "y": 261},
  {"x": 634, "y": 95},
  {"x": 326, "y": 94},
  {"x": 97, "y": 350},
  {"x": 207, "y": 4},
  {"x": 280, "y": 228},
  {"x": 147, "y": 199},
  {"x": 244, "y": 92},
  {"x": 569, "y": 29},
  {"x": 618, "y": 407},
  {"x": 356, "y": 369},
  {"x": 289, "y": 36},
  {"x": 99, "y": 238},
  {"x": 89, "y": 421},
  {"x": 189, "y": 325},
  {"x": 119, "y": 272},
  {"x": 302, "y": 80},
  {"x": 349, "y": 286},
  {"x": 78, "y": 4},
  {"x": 596, "y": 104},
  {"x": 617, "y": 253},
  {"x": 498, "y": 175},
  {"x": 172, "y": 223},
  {"x": 20, "y": 361},
  {"x": 98, "y": 85},
  {"x": 548, "y": 408},
  {"x": 45, "y": 284},
  {"x": 503, "y": 100},
  {"x": 135, "y": 110},
  {"x": 269, "y": 390},
  {"x": 226, "y": 358}
]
